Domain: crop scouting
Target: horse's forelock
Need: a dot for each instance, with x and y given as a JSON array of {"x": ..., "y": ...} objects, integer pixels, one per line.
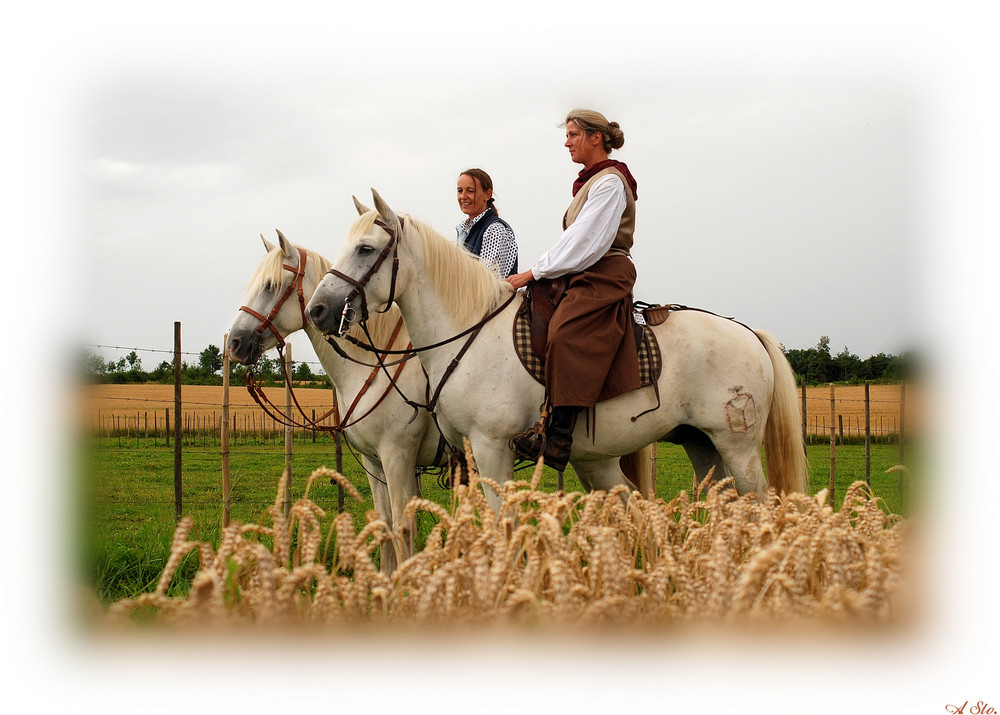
[
  {"x": 363, "y": 225},
  {"x": 272, "y": 268},
  {"x": 468, "y": 288}
]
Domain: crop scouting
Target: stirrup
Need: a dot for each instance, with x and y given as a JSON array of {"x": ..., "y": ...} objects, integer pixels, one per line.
[{"x": 529, "y": 444}]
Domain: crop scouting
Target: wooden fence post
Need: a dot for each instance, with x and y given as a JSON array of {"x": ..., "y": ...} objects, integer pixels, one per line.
[
  {"x": 868, "y": 436},
  {"x": 287, "y": 367},
  {"x": 178, "y": 504},
  {"x": 833, "y": 447},
  {"x": 224, "y": 432},
  {"x": 654, "y": 455},
  {"x": 804, "y": 418},
  {"x": 339, "y": 452},
  {"x": 901, "y": 486}
]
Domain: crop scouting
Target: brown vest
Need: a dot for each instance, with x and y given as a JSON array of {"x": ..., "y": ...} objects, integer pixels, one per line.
[{"x": 623, "y": 239}]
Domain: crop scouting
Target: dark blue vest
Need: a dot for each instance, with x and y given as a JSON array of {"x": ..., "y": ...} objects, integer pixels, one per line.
[{"x": 474, "y": 241}]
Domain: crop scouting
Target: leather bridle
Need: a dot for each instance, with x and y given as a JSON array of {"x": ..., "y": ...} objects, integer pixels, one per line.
[
  {"x": 358, "y": 285},
  {"x": 295, "y": 285}
]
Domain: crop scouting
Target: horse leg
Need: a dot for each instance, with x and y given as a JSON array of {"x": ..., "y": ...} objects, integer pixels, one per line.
[
  {"x": 741, "y": 454},
  {"x": 495, "y": 461},
  {"x": 602, "y": 475},
  {"x": 400, "y": 470},
  {"x": 705, "y": 458},
  {"x": 380, "y": 497}
]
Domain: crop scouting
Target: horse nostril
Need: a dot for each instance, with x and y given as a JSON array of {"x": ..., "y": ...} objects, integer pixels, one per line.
[{"x": 316, "y": 312}]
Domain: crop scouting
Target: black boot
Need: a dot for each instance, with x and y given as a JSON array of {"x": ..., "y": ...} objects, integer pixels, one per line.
[{"x": 554, "y": 444}]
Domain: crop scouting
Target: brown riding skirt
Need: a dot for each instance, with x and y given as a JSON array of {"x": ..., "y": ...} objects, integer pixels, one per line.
[{"x": 591, "y": 354}]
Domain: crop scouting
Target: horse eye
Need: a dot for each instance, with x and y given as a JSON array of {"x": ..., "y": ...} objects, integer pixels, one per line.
[
  {"x": 365, "y": 249},
  {"x": 268, "y": 286}
]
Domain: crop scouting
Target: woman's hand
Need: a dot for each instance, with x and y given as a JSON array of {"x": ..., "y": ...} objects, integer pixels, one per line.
[{"x": 519, "y": 280}]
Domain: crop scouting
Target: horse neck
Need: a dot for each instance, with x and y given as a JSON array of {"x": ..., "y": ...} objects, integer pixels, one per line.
[
  {"x": 436, "y": 304},
  {"x": 345, "y": 373}
]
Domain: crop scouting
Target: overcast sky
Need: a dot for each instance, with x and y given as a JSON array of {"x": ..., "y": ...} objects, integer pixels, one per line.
[
  {"x": 785, "y": 195},
  {"x": 808, "y": 174},
  {"x": 786, "y": 200}
]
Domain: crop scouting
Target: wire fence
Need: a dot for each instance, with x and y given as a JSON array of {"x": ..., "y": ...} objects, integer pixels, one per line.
[
  {"x": 119, "y": 420},
  {"x": 142, "y": 415}
]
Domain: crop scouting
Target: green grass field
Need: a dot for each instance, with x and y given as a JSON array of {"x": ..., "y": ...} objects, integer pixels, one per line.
[{"x": 126, "y": 497}]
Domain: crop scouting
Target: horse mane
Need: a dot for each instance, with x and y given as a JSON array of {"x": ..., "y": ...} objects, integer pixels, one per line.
[
  {"x": 468, "y": 289},
  {"x": 272, "y": 268}
]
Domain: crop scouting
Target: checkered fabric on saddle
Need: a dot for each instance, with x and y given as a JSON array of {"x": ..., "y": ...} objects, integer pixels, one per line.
[{"x": 650, "y": 360}]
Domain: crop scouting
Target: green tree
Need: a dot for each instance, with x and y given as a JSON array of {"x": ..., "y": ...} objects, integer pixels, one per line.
[
  {"x": 819, "y": 364},
  {"x": 303, "y": 373},
  {"x": 210, "y": 360},
  {"x": 134, "y": 362},
  {"x": 848, "y": 365}
]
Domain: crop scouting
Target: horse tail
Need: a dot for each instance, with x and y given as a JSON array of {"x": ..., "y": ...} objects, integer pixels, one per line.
[
  {"x": 638, "y": 470},
  {"x": 784, "y": 449}
]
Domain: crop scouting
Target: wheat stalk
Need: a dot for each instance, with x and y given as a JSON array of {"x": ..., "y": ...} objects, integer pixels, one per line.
[{"x": 566, "y": 559}]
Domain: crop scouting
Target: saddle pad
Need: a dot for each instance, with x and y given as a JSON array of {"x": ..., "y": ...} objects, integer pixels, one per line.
[{"x": 650, "y": 360}]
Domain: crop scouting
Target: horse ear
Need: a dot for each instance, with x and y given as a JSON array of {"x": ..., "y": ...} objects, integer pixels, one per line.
[
  {"x": 362, "y": 209},
  {"x": 268, "y": 246},
  {"x": 383, "y": 209},
  {"x": 286, "y": 246}
]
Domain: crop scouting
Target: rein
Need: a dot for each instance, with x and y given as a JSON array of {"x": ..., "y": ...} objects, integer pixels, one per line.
[
  {"x": 472, "y": 332},
  {"x": 267, "y": 323},
  {"x": 340, "y": 423},
  {"x": 348, "y": 315},
  {"x": 370, "y": 347}
]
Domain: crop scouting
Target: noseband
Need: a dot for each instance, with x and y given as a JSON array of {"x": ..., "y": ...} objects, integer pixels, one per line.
[
  {"x": 358, "y": 289},
  {"x": 294, "y": 285}
]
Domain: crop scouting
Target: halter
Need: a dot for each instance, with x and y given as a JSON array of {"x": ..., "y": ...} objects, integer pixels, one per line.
[
  {"x": 294, "y": 285},
  {"x": 349, "y": 314}
]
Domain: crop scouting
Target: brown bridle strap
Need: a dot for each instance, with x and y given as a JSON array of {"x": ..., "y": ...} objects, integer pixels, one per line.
[
  {"x": 295, "y": 285},
  {"x": 358, "y": 285},
  {"x": 340, "y": 423},
  {"x": 371, "y": 378}
]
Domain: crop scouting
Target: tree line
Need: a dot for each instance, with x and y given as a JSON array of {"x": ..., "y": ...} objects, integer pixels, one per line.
[
  {"x": 207, "y": 370},
  {"x": 814, "y": 365},
  {"x": 817, "y": 366}
]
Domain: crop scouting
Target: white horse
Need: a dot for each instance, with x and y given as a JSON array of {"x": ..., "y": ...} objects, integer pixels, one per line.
[
  {"x": 379, "y": 425},
  {"x": 724, "y": 389}
]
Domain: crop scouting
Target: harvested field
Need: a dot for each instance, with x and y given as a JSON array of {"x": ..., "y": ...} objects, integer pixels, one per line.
[
  {"x": 138, "y": 403},
  {"x": 137, "y": 409},
  {"x": 202, "y": 399},
  {"x": 885, "y": 403}
]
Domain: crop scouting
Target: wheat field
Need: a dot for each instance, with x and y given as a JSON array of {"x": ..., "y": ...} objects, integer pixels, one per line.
[
  {"x": 140, "y": 405},
  {"x": 548, "y": 560}
]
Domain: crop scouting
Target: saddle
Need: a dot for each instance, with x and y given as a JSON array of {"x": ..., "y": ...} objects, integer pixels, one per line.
[{"x": 531, "y": 330}]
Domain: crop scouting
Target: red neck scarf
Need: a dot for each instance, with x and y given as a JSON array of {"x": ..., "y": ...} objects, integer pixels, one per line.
[{"x": 586, "y": 175}]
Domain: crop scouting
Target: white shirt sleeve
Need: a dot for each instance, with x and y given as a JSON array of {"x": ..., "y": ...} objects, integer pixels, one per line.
[{"x": 590, "y": 236}]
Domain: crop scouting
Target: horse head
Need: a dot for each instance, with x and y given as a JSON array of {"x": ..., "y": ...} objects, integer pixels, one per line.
[
  {"x": 274, "y": 305},
  {"x": 366, "y": 277}
]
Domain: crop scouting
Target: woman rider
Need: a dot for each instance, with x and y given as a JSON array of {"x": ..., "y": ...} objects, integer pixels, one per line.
[
  {"x": 484, "y": 233},
  {"x": 591, "y": 347}
]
